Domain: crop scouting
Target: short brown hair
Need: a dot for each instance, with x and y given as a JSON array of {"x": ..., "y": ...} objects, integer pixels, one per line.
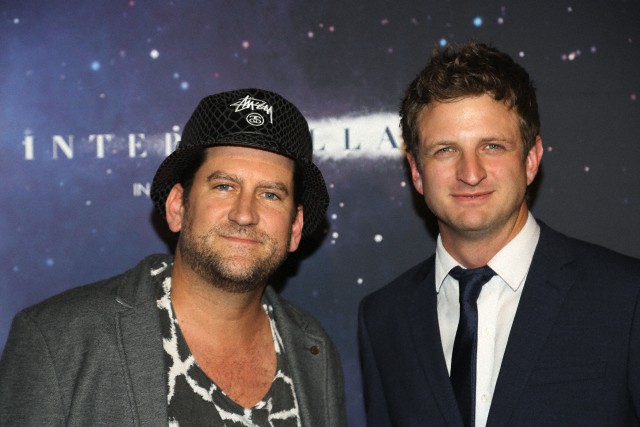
[{"x": 472, "y": 69}]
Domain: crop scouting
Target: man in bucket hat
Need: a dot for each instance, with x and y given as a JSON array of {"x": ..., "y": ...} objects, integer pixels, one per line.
[{"x": 199, "y": 339}]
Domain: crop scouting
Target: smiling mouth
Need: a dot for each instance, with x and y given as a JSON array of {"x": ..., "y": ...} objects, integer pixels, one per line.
[
  {"x": 471, "y": 196},
  {"x": 243, "y": 239}
]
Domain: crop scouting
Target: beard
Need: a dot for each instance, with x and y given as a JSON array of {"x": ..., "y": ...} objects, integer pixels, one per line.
[{"x": 224, "y": 272}]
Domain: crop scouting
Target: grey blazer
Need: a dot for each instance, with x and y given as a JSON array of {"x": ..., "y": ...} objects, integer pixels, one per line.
[{"x": 93, "y": 356}]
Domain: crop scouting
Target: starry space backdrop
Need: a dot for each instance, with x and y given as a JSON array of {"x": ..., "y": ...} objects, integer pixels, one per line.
[{"x": 93, "y": 94}]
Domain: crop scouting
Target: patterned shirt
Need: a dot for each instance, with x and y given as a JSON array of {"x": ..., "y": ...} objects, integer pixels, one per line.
[{"x": 195, "y": 400}]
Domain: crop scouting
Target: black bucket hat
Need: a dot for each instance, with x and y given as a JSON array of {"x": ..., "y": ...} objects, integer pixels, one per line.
[{"x": 253, "y": 118}]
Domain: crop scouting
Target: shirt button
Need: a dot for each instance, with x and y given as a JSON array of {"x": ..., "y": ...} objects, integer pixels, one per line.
[
  {"x": 484, "y": 398},
  {"x": 485, "y": 332},
  {"x": 314, "y": 350}
]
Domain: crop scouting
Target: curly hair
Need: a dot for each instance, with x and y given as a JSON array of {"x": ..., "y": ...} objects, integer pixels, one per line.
[{"x": 472, "y": 69}]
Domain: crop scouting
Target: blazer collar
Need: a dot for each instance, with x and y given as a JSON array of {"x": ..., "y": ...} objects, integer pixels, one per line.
[
  {"x": 550, "y": 278},
  {"x": 140, "y": 341},
  {"x": 308, "y": 357},
  {"x": 422, "y": 316}
]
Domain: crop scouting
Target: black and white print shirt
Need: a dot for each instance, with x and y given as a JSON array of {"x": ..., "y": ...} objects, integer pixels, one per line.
[{"x": 193, "y": 399}]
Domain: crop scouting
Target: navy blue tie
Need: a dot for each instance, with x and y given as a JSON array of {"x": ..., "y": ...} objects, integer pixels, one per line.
[{"x": 463, "y": 359}]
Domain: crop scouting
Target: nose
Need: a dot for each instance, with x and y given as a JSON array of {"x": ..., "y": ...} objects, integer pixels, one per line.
[
  {"x": 470, "y": 169},
  {"x": 243, "y": 211}
]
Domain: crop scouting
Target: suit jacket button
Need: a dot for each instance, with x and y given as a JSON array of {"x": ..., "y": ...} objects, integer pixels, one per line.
[{"x": 314, "y": 349}]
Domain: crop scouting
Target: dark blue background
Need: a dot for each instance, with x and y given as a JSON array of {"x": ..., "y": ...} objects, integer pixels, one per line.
[{"x": 82, "y": 68}]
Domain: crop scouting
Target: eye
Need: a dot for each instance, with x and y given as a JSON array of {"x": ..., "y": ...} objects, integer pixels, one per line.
[
  {"x": 271, "y": 196},
  {"x": 494, "y": 147},
  {"x": 443, "y": 151},
  {"x": 223, "y": 187}
]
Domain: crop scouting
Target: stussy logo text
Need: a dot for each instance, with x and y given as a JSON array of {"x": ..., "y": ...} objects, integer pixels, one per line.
[{"x": 254, "y": 104}]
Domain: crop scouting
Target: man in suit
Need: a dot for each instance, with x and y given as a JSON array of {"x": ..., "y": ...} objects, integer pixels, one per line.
[
  {"x": 509, "y": 323},
  {"x": 199, "y": 339}
]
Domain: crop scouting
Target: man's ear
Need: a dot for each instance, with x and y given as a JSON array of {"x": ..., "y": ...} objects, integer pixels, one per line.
[
  {"x": 174, "y": 208},
  {"x": 416, "y": 175},
  {"x": 534, "y": 157},
  {"x": 296, "y": 230}
]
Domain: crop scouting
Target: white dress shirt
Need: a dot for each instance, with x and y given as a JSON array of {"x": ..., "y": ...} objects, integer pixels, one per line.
[{"x": 497, "y": 306}]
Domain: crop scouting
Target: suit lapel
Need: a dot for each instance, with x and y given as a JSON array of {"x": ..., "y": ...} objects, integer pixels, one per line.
[
  {"x": 545, "y": 289},
  {"x": 422, "y": 316}
]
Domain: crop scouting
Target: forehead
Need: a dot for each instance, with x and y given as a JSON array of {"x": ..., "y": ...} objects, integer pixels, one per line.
[
  {"x": 467, "y": 116},
  {"x": 252, "y": 158}
]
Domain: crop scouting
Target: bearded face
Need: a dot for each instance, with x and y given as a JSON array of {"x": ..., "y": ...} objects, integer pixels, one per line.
[
  {"x": 237, "y": 270},
  {"x": 239, "y": 219}
]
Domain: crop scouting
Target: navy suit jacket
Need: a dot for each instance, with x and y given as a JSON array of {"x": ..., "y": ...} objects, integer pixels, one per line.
[{"x": 572, "y": 358}]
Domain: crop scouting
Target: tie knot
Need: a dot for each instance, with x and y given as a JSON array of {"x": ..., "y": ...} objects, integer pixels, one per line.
[{"x": 471, "y": 281}]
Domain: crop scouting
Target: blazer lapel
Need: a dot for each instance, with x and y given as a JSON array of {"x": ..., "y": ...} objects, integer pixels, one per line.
[
  {"x": 141, "y": 351},
  {"x": 422, "y": 316},
  {"x": 140, "y": 342},
  {"x": 545, "y": 289},
  {"x": 307, "y": 367}
]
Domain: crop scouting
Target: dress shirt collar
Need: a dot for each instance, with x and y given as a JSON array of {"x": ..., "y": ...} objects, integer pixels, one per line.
[{"x": 511, "y": 263}]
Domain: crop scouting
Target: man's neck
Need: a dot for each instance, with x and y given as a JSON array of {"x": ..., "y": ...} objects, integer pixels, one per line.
[
  {"x": 473, "y": 250},
  {"x": 229, "y": 335},
  {"x": 203, "y": 308}
]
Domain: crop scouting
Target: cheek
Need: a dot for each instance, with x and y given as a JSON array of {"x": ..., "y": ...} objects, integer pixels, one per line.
[
  {"x": 436, "y": 179},
  {"x": 434, "y": 190},
  {"x": 276, "y": 221},
  {"x": 513, "y": 179},
  {"x": 507, "y": 170}
]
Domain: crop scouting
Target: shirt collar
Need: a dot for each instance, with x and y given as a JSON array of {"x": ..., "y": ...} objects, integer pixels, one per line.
[{"x": 511, "y": 263}]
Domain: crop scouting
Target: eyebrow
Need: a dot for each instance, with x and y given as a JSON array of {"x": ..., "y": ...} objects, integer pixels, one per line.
[
  {"x": 269, "y": 185},
  {"x": 223, "y": 175},
  {"x": 447, "y": 142},
  {"x": 494, "y": 138}
]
